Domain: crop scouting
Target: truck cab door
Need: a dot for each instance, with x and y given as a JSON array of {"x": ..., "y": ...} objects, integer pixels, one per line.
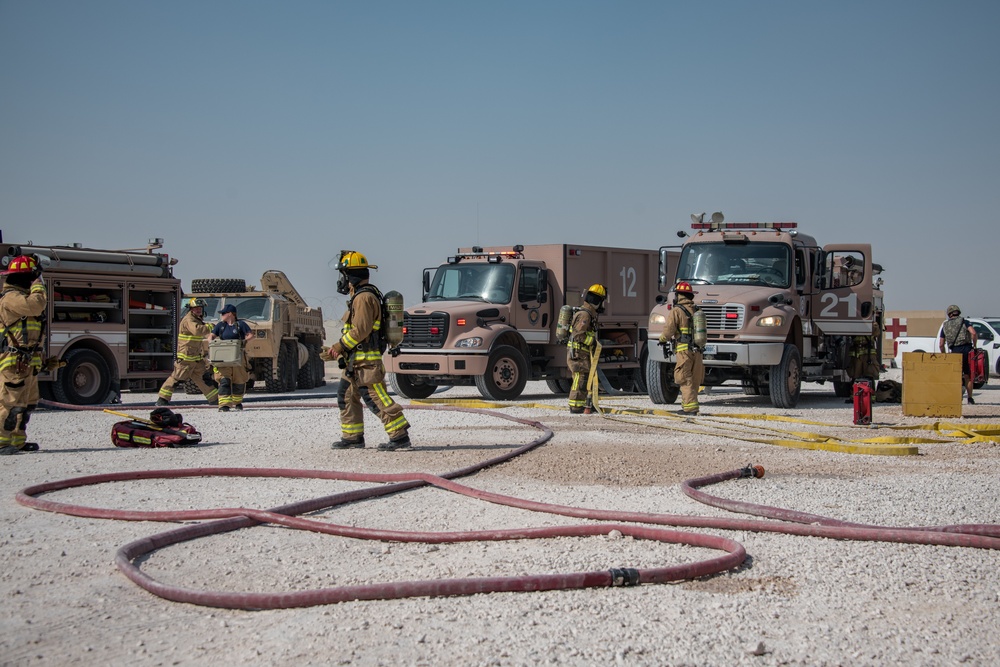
[
  {"x": 531, "y": 311},
  {"x": 843, "y": 301}
]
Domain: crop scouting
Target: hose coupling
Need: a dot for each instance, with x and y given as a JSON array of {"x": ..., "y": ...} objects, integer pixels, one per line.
[
  {"x": 752, "y": 471},
  {"x": 624, "y": 576}
]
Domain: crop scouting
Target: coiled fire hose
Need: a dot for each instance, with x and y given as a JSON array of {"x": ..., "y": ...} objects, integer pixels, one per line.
[{"x": 218, "y": 521}]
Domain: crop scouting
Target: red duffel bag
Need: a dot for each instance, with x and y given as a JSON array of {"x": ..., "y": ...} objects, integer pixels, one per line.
[{"x": 163, "y": 429}]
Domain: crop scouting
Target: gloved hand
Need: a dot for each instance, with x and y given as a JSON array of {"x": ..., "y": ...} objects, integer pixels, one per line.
[
  {"x": 328, "y": 354},
  {"x": 53, "y": 363}
]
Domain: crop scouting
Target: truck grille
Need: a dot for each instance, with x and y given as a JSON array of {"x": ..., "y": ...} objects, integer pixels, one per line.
[
  {"x": 716, "y": 317},
  {"x": 425, "y": 331}
]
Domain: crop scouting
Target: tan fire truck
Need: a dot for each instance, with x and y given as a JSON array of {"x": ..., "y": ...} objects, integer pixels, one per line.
[
  {"x": 112, "y": 317},
  {"x": 780, "y": 309},
  {"x": 489, "y": 318}
]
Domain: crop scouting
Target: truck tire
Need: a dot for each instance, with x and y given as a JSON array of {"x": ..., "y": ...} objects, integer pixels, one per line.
[
  {"x": 288, "y": 365},
  {"x": 306, "y": 376},
  {"x": 85, "y": 380},
  {"x": 750, "y": 386},
  {"x": 786, "y": 378},
  {"x": 210, "y": 285},
  {"x": 642, "y": 381},
  {"x": 404, "y": 385},
  {"x": 506, "y": 374},
  {"x": 318, "y": 365},
  {"x": 559, "y": 385},
  {"x": 271, "y": 384},
  {"x": 843, "y": 389},
  {"x": 660, "y": 382}
]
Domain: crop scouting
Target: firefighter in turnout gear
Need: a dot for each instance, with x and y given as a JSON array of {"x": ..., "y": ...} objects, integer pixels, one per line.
[
  {"x": 359, "y": 354},
  {"x": 22, "y": 310},
  {"x": 689, "y": 368},
  {"x": 191, "y": 363},
  {"x": 581, "y": 347}
]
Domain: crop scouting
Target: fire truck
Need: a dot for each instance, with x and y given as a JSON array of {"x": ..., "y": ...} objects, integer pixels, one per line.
[
  {"x": 112, "y": 317},
  {"x": 489, "y": 318},
  {"x": 780, "y": 309}
]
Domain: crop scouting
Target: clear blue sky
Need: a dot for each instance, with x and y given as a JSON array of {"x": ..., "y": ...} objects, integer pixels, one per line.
[{"x": 254, "y": 135}]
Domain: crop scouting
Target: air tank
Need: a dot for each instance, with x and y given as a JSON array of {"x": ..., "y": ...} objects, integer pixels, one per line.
[{"x": 394, "y": 310}]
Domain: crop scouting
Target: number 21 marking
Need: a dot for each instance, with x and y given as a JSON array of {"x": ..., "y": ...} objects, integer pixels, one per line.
[{"x": 831, "y": 309}]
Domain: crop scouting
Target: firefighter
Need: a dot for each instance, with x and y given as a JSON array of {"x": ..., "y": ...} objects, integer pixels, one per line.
[
  {"x": 22, "y": 307},
  {"x": 232, "y": 379},
  {"x": 689, "y": 368},
  {"x": 359, "y": 354},
  {"x": 581, "y": 347},
  {"x": 191, "y": 363}
]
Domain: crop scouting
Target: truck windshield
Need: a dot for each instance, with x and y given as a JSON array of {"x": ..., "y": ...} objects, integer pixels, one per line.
[
  {"x": 253, "y": 308},
  {"x": 730, "y": 264},
  {"x": 490, "y": 283}
]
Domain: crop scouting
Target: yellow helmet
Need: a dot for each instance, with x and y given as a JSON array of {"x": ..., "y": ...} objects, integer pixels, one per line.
[
  {"x": 598, "y": 290},
  {"x": 352, "y": 259},
  {"x": 195, "y": 302}
]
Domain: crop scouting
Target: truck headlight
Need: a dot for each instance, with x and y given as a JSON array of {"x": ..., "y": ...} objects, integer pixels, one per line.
[
  {"x": 260, "y": 334},
  {"x": 770, "y": 321},
  {"x": 470, "y": 342},
  {"x": 657, "y": 320}
]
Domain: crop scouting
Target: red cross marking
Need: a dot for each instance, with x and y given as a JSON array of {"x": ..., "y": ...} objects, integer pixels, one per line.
[{"x": 896, "y": 327}]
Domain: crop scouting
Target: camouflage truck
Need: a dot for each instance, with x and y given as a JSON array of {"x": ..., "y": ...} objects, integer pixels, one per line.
[{"x": 289, "y": 335}]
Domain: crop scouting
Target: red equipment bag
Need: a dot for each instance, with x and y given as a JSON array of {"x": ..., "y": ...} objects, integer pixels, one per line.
[
  {"x": 862, "y": 402},
  {"x": 977, "y": 365},
  {"x": 140, "y": 434}
]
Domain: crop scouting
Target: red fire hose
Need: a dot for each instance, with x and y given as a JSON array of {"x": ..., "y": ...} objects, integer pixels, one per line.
[{"x": 219, "y": 521}]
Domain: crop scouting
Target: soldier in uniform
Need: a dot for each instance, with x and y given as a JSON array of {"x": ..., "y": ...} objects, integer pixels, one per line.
[
  {"x": 232, "y": 379},
  {"x": 359, "y": 352},
  {"x": 191, "y": 363},
  {"x": 689, "y": 370},
  {"x": 961, "y": 338},
  {"x": 22, "y": 308},
  {"x": 581, "y": 346}
]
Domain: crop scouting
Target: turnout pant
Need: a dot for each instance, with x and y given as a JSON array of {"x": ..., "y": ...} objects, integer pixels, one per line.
[
  {"x": 689, "y": 373},
  {"x": 578, "y": 391},
  {"x": 193, "y": 371},
  {"x": 18, "y": 399},
  {"x": 367, "y": 383},
  {"x": 232, "y": 384}
]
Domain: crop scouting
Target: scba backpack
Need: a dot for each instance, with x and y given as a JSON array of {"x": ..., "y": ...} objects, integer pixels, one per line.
[{"x": 164, "y": 428}]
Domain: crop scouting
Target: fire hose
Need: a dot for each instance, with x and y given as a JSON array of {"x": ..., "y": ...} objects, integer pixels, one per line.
[{"x": 218, "y": 521}]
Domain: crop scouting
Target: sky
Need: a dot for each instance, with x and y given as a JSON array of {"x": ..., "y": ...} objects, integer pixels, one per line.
[{"x": 255, "y": 135}]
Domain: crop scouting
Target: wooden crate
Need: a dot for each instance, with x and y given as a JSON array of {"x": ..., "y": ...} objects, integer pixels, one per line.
[{"x": 932, "y": 384}]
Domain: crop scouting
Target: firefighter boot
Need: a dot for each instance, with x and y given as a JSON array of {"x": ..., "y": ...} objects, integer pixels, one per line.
[
  {"x": 349, "y": 444},
  {"x": 401, "y": 442},
  {"x": 162, "y": 401}
]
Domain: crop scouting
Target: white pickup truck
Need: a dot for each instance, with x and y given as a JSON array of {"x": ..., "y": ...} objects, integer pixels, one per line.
[{"x": 987, "y": 330}]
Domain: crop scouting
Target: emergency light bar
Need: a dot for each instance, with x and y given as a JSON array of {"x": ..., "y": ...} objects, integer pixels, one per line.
[
  {"x": 716, "y": 226},
  {"x": 491, "y": 256}
]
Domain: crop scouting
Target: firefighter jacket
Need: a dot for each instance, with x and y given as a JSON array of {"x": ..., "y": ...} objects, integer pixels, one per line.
[
  {"x": 191, "y": 338},
  {"x": 362, "y": 327},
  {"x": 21, "y": 312},
  {"x": 583, "y": 332},
  {"x": 679, "y": 326}
]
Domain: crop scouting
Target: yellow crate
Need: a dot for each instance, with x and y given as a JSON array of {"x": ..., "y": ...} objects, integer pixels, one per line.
[{"x": 932, "y": 384}]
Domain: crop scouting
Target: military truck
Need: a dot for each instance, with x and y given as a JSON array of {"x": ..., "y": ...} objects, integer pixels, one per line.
[
  {"x": 780, "y": 309},
  {"x": 489, "y": 318},
  {"x": 288, "y": 334},
  {"x": 112, "y": 316}
]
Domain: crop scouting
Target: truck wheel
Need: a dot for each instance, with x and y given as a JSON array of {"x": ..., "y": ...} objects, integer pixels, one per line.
[
  {"x": 660, "y": 382},
  {"x": 843, "y": 389},
  {"x": 559, "y": 385},
  {"x": 306, "y": 377},
  {"x": 85, "y": 380},
  {"x": 410, "y": 386},
  {"x": 209, "y": 285},
  {"x": 786, "y": 378},
  {"x": 271, "y": 384},
  {"x": 642, "y": 381},
  {"x": 288, "y": 365},
  {"x": 506, "y": 374}
]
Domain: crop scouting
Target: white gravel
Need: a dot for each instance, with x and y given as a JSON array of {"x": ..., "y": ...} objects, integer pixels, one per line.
[{"x": 795, "y": 601}]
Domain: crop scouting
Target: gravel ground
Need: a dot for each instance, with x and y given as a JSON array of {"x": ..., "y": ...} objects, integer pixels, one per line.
[{"x": 794, "y": 601}]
